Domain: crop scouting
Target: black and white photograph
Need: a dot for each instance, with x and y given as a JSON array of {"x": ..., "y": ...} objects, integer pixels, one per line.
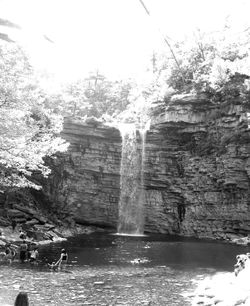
[{"x": 124, "y": 153}]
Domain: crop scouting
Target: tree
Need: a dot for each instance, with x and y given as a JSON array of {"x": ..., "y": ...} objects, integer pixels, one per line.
[
  {"x": 217, "y": 65},
  {"x": 92, "y": 96},
  {"x": 28, "y": 131},
  {"x": 106, "y": 97}
]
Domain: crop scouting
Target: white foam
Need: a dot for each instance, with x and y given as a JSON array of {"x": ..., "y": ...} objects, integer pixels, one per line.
[
  {"x": 225, "y": 287},
  {"x": 130, "y": 235}
]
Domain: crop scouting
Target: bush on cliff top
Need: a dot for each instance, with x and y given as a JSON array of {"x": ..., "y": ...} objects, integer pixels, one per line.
[{"x": 216, "y": 64}]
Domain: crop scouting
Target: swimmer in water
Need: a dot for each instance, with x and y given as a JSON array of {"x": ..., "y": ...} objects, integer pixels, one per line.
[{"x": 53, "y": 266}]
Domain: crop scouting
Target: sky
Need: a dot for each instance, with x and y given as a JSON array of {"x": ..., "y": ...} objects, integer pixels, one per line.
[{"x": 115, "y": 37}]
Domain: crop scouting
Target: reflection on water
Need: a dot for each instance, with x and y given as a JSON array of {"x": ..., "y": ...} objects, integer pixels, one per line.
[{"x": 117, "y": 270}]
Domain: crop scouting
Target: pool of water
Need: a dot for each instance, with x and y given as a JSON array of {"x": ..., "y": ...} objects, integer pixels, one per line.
[{"x": 107, "y": 269}]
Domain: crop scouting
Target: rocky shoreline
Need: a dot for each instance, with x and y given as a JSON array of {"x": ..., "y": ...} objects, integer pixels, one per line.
[
  {"x": 43, "y": 236},
  {"x": 42, "y": 225}
]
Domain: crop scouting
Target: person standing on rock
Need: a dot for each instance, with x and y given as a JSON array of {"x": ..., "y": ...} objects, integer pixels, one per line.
[
  {"x": 29, "y": 250},
  {"x": 23, "y": 251}
]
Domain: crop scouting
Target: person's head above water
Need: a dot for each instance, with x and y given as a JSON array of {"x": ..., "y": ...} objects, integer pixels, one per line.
[{"x": 22, "y": 299}]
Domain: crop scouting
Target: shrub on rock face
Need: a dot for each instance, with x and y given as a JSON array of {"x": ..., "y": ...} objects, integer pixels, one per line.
[{"x": 93, "y": 121}]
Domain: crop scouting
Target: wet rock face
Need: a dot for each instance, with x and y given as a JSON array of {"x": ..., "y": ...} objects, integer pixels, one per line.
[
  {"x": 85, "y": 180},
  {"x": 197, "y": 171}
]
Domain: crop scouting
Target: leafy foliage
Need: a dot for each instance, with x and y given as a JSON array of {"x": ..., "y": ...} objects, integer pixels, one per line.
[
  {"x": 28, "y": 131},
  {"x": 92, "y": 96},
  {"x": 217, "y": 65}
]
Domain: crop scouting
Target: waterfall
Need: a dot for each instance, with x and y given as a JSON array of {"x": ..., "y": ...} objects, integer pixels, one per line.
[{"x": 132, "y": 195}]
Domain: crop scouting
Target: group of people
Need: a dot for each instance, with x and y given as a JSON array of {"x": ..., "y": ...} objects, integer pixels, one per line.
[
  {"x": 27, "y": 251},
  {"x": 22, "y": 297}
]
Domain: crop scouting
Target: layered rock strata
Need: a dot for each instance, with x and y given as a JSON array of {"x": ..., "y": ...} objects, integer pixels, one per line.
[
  {"x": 197, "y": 170},
  {"x": 86, "y": 181}
]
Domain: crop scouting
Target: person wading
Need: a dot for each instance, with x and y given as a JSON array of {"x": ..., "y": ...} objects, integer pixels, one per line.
[{"x": 62, "y": 260}]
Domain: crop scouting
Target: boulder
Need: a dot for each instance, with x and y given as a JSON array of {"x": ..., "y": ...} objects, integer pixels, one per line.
[
  {"x": 27, "y": 210},
  {"x": 4, "y": 222},
  {"x": 40, "y": 218},
  {"x": 20, "y": 220},
  {"x": 32, "y": 222},
  {"x": 16, "y": 213}
]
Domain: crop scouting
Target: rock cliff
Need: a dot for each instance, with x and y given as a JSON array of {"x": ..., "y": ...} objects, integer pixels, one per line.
[
  {"x": 197, "y": 174},
  {"x": 197, "y": 170},
  {"x": 85, "y": 181}
]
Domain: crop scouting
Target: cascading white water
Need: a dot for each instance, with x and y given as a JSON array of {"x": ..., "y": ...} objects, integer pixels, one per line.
[{"x": 132, "y": 195}]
